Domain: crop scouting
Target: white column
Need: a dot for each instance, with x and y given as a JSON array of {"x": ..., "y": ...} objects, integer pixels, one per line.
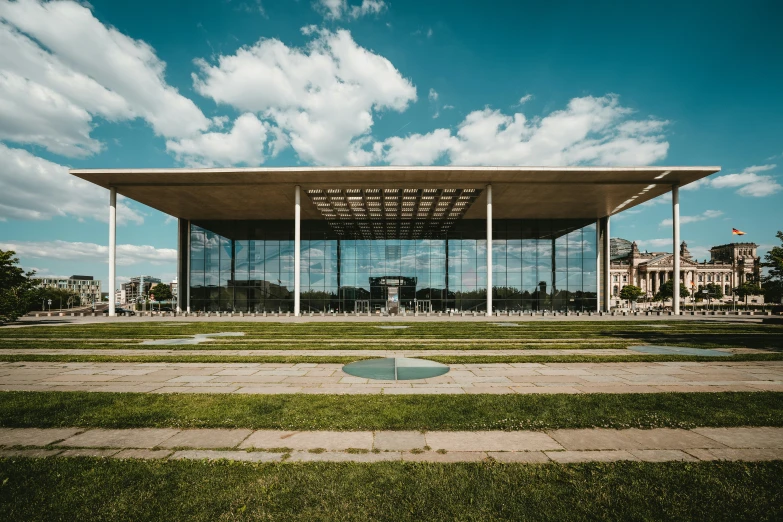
[
  {"x": 607, "y": 259},
  {"x": 598, "y": 265},
  {"x": 297, "y": 249},
  {"x": 187, "y": 272},
  {"x": 112, "y": 248},
  {"x": 676, "y": 249},
  {"x": 489, "y": 250}
]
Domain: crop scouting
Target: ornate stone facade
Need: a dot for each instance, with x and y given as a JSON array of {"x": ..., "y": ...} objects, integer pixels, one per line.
[{"x": 729, "y": 266}]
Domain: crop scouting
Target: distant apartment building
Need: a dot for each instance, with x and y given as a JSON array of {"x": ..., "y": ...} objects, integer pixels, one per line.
[
  {"x": 136, "y": 288},
  {"x": 86, "y": 287}
]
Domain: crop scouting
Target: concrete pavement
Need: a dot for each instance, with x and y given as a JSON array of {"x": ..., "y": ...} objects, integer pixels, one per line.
[
  {"x": 564, "y": 446},
  {"x": 496, "y": 378}
]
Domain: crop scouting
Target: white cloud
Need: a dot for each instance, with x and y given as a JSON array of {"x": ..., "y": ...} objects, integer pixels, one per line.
[
  {"x": 684, "y": 220},
  {"x": 748, "y": 182},
  {"x": 593, "y": 130},
  {"x": 655, "y": 244},
  {"x": 524, "y": 99},
  {"x": 244, "y": 144},
  {"x": 61, "y": 67},
  {"x": 433, "y": 98},
  {"x": 35, "y": 188},
  {"x": 76, "y": 251},
  {"x": 323, "y": 97},
  {"x": 337, "y": 9}
]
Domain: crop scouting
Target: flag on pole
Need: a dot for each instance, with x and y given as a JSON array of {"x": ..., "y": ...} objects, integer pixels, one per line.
[{"x": 736, "y": 232}]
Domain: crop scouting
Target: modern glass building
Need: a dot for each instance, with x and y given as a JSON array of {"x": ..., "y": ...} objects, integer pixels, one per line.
[
  {"x": 394, "y": 239},
  {"x": 249, "y": 266}
]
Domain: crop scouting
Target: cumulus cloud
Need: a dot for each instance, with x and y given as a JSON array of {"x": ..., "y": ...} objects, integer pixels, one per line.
[
  {"x": 243, "y": 144},
  {"x": 589, "y": 130},
  {"x": 747, "y": 183},
  {"x": 76, "y": 251},
  {"x": 323, "y": 97},
  {"x": 707, "y": 214},
  {"x": 340, "y": 9},
  {"x": 61, "y": 67},
  {"x": 35, "y": 188}
]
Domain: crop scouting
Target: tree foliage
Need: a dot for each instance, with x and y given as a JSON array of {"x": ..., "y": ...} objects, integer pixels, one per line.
[
  {"x": 773, "y": 281},
  {"x": 667, "y": 291},
  {"x": 715, "y": 290},
  {"x": 17, "y": 288},
  {"x": 631, "y": 293},
  {"x": 41, "y": 296},
  {"x": 161, "y": 291},
  {"x": 747, "y": 289}
]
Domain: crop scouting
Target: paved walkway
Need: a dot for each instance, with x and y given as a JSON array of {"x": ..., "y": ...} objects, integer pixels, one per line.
[
  {"x": 564, "y": 446},
  {"x": 273, "y": 378}
]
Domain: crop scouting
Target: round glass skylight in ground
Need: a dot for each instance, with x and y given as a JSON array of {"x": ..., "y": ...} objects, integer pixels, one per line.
[{"x": 395, "y": 369}]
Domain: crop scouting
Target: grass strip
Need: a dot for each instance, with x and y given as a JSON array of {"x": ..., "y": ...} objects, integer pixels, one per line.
[
  {"x": 390, "y": 412},
  {"x": 339, "y": 359},
  {"x": 113, "y": 490}
]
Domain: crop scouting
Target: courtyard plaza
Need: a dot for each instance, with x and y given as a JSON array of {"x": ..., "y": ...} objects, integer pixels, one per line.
[{"x": 662, "y": 401}]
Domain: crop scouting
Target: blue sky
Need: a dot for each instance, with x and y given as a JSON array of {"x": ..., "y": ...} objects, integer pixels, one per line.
[{"x": 276, "y": 83}]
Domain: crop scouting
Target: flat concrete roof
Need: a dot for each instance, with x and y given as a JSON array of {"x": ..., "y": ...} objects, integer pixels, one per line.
[{"x": 517, "y": 192}]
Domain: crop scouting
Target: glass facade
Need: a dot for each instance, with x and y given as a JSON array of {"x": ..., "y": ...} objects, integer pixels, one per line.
[{"x": 249, "y": 266}]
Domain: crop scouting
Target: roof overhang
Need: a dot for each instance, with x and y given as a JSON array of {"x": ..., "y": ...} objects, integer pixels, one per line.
[{"x": 517, "y": 192}]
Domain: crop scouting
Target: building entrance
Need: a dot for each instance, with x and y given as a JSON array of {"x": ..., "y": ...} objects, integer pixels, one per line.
[
  {"x": 424, "y": 306},
  {"x": 393, "y": 299},
  {"x": 362, "y": 306}
]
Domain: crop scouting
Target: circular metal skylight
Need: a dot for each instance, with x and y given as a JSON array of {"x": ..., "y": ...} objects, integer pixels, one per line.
[{"x": 395, "y": 369}]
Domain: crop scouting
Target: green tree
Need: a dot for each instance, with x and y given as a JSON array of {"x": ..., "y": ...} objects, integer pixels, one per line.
[
  {"x": 667, "y": 291},
  {"x": 162, "y": 292},
  {"x": 631, "y": 293},
  {"x": 746, "y": 289},
  {"x": 17, "y": 289},
  {"x": 59, "y": 296},
  {"x": 715, "y": 291},
  {"x": 773, "y": 281}
]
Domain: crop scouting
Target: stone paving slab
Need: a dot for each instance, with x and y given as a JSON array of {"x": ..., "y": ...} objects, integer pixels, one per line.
[
  {"x": 662, "y": 444},
  {"x": 35, "y": 436},
  {"x": 304, "y": 440},
  {"x": 30, "y": 453},
  {"x": 207, "y": 438},
  {"x": 739, "y": 454},
  {"x": 398, "y": 440},
  {"x": 246, "y": 456},
  {"x": 744, "y": 437},
  {"x": 146, "y": 438},
  {"x": 491, "y": 441},
  {"x": 452, "y": 456},
  {"x": 89, "y": 452},
  {"x": 659, "y": 455},
  {"x": 519, "y": 457},
  {"x": 570, "y": 457},
  {"x": 142, "y": 454}
]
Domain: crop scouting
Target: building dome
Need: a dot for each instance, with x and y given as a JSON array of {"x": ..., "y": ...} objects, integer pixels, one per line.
[{"x": 619, "y": 248}]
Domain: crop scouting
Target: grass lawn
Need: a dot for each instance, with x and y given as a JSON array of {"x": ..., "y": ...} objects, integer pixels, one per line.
[
  {"x": 95, "y": 489},
  {"x": 686, "y": 333},
  {"x": 379, "y": 412},
  {"x": 345, "y": 359}
]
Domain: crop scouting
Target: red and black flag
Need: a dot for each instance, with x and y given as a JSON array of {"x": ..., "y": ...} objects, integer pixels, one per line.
[{"x": 736, "y": 232}]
